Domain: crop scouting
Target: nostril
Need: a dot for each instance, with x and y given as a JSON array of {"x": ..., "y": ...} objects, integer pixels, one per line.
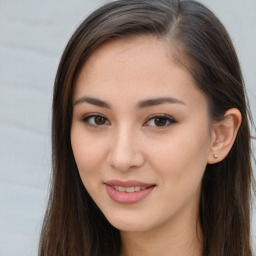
[{"x": 125, "y": 159}]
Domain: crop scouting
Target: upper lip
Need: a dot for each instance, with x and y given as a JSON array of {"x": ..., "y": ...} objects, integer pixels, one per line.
[{"x": 129, "y": 183}]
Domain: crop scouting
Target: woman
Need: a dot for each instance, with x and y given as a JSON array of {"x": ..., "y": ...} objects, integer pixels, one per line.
[{"x": 150, "y": 135}]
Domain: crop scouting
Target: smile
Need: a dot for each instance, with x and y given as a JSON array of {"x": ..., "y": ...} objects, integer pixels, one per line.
[
  {"x": 128, "y": 192},
  {"x": 128, "y": 189}
]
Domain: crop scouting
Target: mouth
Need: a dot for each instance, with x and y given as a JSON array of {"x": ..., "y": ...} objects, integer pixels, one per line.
[
  {"x": 128, "y": 189},
  {"x": 128, "y": 192}
]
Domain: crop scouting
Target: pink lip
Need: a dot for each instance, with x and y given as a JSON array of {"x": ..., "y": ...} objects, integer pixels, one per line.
[
  {"x": 129, "y": 183},
  {"x": 125, "y": 197}
]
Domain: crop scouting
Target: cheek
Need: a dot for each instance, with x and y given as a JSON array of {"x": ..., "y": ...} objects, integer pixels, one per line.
[
  {"x": 182, "y": 157},
  {"x": 88, "y": 154},
  {"x": 180, "y": 164}
]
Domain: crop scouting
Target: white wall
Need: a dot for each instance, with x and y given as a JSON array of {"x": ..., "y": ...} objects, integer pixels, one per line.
[{"x": 33, "y": 34}]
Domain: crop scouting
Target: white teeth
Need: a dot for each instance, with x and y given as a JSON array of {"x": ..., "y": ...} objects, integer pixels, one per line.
[
  {"x": 128, "y": 189},
  {"x": 121, "y": 189}
]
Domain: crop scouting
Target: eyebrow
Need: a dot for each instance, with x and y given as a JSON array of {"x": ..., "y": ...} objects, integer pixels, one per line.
[
  {"x": 159, "y": 101},
  {"x": 141, "y": 104},
  {"x": 93, "y": 101}
]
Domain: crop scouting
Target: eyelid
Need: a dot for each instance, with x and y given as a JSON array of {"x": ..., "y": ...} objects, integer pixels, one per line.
[
  {"x": 168, "y": 118},
  {"x": 86, "y": 117},
  {"x": 164, "y": 116}
]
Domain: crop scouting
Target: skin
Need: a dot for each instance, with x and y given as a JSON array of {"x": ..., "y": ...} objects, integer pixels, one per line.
[{"x": 128, "y": 143}]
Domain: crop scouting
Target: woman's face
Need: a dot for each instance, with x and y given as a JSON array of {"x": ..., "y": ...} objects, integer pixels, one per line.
[{"x": 140, "y": 135}]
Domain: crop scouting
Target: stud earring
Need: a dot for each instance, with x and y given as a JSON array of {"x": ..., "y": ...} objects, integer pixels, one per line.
[{"x": 215, "y": 155}]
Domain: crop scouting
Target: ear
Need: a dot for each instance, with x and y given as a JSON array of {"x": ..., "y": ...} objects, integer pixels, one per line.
[{"x": 223, "y": 135}]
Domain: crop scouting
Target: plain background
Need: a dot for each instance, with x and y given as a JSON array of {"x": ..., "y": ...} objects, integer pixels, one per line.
[{"x": 33, "y": 35}]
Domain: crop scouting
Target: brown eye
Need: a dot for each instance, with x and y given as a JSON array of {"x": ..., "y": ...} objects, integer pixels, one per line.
[
  {"x": 99, "y": 120},
  {"x": 95, "y": 120},
  {"x": 160, "y": 121}
]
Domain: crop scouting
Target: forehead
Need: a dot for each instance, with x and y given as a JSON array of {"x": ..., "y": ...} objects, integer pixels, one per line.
[
  {"x": 137, "y": 67},
  {"x": 148, "y": 45}
]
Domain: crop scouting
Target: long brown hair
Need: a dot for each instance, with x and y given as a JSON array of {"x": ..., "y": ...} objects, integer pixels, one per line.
[{"x": 73, "y": 224}]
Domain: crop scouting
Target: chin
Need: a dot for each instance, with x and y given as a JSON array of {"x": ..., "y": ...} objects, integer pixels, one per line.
[{"x": 129, "y": 224}]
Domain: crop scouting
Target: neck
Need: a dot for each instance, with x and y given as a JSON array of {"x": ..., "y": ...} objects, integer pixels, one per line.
[{"x": 177, "y": 239}]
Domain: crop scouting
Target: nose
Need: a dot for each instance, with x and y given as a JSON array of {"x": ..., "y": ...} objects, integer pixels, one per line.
[{"x": 126, "y": 151}]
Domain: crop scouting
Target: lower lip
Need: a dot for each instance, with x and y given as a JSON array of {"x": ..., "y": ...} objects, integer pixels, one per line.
[{"x": 128, "y": 198}]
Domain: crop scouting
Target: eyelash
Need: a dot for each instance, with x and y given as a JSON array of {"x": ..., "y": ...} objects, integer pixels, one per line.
[
  {"x": 87, "y": 118},
  {"x": 163, "y": 117}
]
